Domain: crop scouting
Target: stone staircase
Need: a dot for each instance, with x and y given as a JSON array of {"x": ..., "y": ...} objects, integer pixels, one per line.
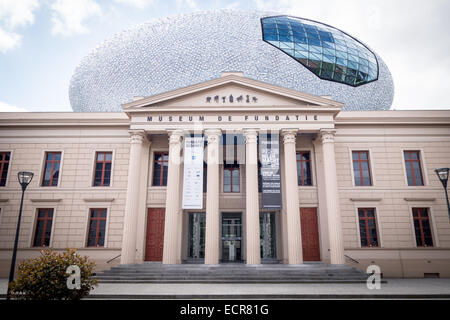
[{"x": 231, "y": 273}]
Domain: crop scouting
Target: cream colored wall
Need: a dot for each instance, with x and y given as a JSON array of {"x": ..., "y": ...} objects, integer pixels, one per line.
[
  {"x": 74, "y": 195},
  {"x": 397, "y": 254}
]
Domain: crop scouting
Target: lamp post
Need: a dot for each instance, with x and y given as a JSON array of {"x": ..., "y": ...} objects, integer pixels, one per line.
[
  {"x": 25, "y": 178},
  {"x": 442, "y": 173}
]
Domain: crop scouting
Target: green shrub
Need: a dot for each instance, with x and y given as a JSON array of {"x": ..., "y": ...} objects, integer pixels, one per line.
[{"x": 45, "y": 278}]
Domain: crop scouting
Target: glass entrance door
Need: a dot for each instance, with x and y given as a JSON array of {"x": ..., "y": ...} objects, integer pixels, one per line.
[
  {"x": 231, "y": 237},
  {"x": 268, "y": 235},
  {"x": 196, "y": 234}
]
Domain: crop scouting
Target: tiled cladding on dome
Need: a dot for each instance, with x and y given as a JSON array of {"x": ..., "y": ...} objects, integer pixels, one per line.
[{"x": 327, "y": 52}]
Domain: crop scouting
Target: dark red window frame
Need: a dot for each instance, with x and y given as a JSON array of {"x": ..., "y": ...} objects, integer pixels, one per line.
[
  {"x": 234, "y": 188},
  {"x": 301, "y": 164},
  {"x": 4, "y": 166},
  {"x": 44, "y": 222},
  {"x": 160, "y": 181},
  {"x": 360, "y": 162},
  {"x": 368, "y": 214},
  {"x": 97, "y": 215},
  {"x": 409, "y": 164},
  {"x": 420, "y": 217},
  {"x": 53, "y": 182},
  {"x": 105, "y": 175}
]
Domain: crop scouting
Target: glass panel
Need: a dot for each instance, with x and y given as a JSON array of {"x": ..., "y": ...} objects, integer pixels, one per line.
[
  {"x": 417, "y": 173},
  {"x": 417, "y": 232},
  {"x": 100, "y": 157},
  {"x": 92, "y": 233},
  {"x": 409, "y": 174},
  {"x": 362, "y": 232},
  {"x": 101, "y": 233},
  {"x": 372, "y": 232},
  {"x": 164, "y": 177},
  {"x": 366, "y": 173},
  {"x": 267, "y": 235},
  {"x": 357, "y": 173},
  {"x": 55, "y": 174},
  {"x": 196, "y": 241},
  {"x": 157, "y": 174},
  {"x": 109, "y": 156},
  {"x": 38, "y": 233}
]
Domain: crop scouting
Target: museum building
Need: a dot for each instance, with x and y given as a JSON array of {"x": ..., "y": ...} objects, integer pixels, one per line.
[{"x": 231, "y": 137}]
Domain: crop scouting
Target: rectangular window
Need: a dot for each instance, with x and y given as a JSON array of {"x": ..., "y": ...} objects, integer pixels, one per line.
[
  {"x": 97, "y": 227},
  {"x": 160, "y": 169},
  {"x": 103, "y": 163},
  {"x": 51, "y": 169},
  {"x": 422, "y": 227},
  {"x": 43, "y": 228},
  {"x": 304, "y": 168},
  {"x": 231, "y": 177},
  {"x": 361, "y": 168},
  {"x": 4, "y": 165},
  {"x": 367, "y": 227},
  {"x": 413, "y": 168}
]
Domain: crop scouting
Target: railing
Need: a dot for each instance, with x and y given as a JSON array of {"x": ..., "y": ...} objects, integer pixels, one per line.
[
  {"x": 351, "y": 259},
  {"x": 113, "y": 258}
]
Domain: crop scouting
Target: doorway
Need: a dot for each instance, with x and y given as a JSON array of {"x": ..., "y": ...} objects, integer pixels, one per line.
[
  {"x": 154, "y": 243},
  {"x": 231, "y": 237},
  {"x": 310, "y": 234}
]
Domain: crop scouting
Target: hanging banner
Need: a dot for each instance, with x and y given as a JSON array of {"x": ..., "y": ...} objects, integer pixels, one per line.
[
  {"x": 193, "y": 173},
  {"x": 269, "y": 150}
]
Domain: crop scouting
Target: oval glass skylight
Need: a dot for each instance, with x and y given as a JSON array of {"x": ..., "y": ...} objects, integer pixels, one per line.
[{"x": 326, "y": 51}]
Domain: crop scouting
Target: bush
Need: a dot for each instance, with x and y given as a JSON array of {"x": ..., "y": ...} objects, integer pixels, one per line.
[{"x": 45, "y": 278}]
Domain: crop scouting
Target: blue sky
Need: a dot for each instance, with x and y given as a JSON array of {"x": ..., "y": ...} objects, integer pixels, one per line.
[{"x": 42, "y": 41}]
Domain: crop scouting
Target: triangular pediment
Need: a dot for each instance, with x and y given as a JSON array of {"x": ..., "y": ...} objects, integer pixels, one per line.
[{"x": 230, "y": 91}]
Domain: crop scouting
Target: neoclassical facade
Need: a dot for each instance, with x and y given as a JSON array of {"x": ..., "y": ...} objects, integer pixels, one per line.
[{"x": 354, "y": 187}]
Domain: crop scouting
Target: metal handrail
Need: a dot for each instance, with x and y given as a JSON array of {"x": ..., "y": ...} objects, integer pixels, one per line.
[
  {"x": 350, "y": 258},
  {"x": 113, "y": 258}
]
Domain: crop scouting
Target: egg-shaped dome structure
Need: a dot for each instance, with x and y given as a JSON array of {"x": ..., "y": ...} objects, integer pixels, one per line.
[{"x": 174, "y": 52}]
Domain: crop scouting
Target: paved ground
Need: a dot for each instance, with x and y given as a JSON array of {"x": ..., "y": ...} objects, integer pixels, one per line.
[{"x": 394, "y": 288}]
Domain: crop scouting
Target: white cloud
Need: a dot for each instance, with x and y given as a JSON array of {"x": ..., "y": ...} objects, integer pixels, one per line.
[
  {"x": 4, "y": 107},
  {"x": 69, "y": 15},
  {"x": 14, "y": 14},
  {"x": 137, "y": 3},
  {"x": 9, "y": 40}
]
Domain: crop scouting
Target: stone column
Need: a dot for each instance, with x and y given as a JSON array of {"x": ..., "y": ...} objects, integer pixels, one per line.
[
  {"x": 251, "y": 195},
  {"x": 128, "y": 253},
  {"x": 332, "y": 197},
  {"x": 295, "y": 252},
  {"x": 172, "y": 252},
  {"x": 212, "y": 241}
]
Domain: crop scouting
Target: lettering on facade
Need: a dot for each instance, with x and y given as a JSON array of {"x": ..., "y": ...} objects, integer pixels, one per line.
[
  {"x": 229, "y": 118},
  {"x": 247, "y": 98}
]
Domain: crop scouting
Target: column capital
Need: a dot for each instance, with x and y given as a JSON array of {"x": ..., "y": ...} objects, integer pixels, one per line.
[
  {"x": 137, "y": 136},
  {"x": 213, "y": 135},
  {"x": 327, "y": 135},
  {"x": 250, "y": 135},
  {"x": 175, "y": 136},
  {"x": 289, "y": 135}
]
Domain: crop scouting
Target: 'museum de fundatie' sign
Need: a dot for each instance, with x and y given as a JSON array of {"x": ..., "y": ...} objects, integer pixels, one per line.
[{"x": 233, "y": 118}]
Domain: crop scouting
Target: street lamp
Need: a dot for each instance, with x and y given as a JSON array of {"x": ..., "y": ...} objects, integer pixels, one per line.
[
  {"x": 25, "y": 178},
  {"x": 442, "y": 173}
]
